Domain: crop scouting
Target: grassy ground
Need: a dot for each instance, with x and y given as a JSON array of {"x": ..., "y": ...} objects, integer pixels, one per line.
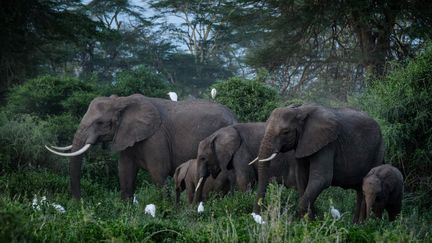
[{"x": 102, "y": 216}]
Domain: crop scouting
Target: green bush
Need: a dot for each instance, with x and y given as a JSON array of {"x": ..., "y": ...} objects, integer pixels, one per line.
[
  {"x": 250, "y": 100},
  {"x": 402, "y": 102},
  {"x": 21, "y": 142},
  {"x": 141, "y": 80},
  {"x": 51, "y": 95}
]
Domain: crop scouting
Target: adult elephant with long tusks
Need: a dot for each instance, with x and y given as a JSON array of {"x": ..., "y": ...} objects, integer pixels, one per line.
[
  {"x": 155, "y": 134},
  {"x": 334, "y": 147},
  {"x": 232, "y": 148}
]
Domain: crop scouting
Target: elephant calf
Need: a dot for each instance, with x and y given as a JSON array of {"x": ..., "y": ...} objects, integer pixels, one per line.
[
  {"x": 383, "y": 189},
  {"x": 186, "y": 178}
]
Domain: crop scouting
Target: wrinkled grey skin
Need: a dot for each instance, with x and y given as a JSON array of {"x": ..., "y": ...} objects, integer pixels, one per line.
[
  {"x": 383, "y": 189},
  {"x": 232, "y": 148},
  {"x": 335, "y": 147},
  {"x": 149, "y": 133},
  {"x": 186, "y": 178}
]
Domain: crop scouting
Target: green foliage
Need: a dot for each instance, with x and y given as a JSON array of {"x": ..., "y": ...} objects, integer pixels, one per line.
[
  {"x": 103, "y": 216},
  {"x": 402, "y": 102},
  {"x": 51, "y": 95},
  {"x": 250, "y": 100},
  {"x": 21, "y": 142},
  {"x": 141, "y": 80}
]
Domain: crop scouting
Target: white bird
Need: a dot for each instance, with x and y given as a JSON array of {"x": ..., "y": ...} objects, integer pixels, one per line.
[
  {"x": 335, "y": 213},
  {"x": 43, "y": 200},
  {"x": 35, "y": 203},
  {"x": 200, "y": 207},
  {"x": 213, "y": 93},
  {"x": 58, "y": 207},
  {"x": 150, "y": 209},
  {"x": 258, "y": 219},
  {"x": 135, "y": 200},
  {"x": 173, "y": 96}
]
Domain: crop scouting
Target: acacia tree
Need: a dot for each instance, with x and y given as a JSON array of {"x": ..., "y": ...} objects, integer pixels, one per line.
[{"x": 303, "y": 41}]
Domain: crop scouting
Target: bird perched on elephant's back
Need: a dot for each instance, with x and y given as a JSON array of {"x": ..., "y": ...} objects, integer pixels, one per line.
[
  {"x": 186, "y": 178},
  {"x": 383, "y": 190},
  {"x": 150, "y": 133},
  {"x": 333, "y": 147},
  {"x": 232, "y": 148}
]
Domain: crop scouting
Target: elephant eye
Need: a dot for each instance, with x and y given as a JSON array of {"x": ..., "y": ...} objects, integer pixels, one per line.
[{"x": 285, "y": 132}]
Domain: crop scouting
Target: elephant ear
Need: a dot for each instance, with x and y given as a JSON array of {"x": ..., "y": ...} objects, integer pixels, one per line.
[
  {"x": 320, "y": 128},
  {"x": 225, "y": 144},
  {"x": 138, "y": 120}
]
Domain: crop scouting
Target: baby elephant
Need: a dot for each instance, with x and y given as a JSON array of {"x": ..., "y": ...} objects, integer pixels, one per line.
[
  {"x": 383, "y": 189},
  {"x": 186, "y": 178}
]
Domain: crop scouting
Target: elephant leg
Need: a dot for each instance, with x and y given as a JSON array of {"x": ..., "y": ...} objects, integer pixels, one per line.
[
  {"x": 127, "y": 170},
  {"x": 359, "y": 207},
  {"x": 302, "y": 176},
  {"x": 362, "y": 214},
  {"x": 320, "y": 178},
  {"x": 393, "y": 211},
  {"x": 378, "y": 211},
  {"x": 190, "y": 193},
  {"x": 177, "y": 196},
  {"x": 242, "y": 182}
]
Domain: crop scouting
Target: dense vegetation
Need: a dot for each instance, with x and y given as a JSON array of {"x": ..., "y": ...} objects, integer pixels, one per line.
[{"x": 259, "y": 55}]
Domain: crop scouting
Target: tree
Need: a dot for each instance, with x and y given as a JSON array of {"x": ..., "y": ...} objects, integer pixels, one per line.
[
  {"x": 33, "y": 31},
  {"x": 309, "y": 41}
]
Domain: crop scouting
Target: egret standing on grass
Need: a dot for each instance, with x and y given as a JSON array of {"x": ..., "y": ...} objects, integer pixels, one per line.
[
  {"x": 213, "y": 93},
  {"x": 335, "y": 213},
  {"x": 200, "y": 207},
  {"x": 150, "y": 209},
  {"x": 173, "y": 96}
]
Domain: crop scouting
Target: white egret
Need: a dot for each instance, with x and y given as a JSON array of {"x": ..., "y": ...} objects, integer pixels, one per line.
[
  {"x": 150, "y": 209},
  {"x": 200, "y": 207},
  {"x": 213, "y": 93},
  {"x": 35, "y": 203},
  {"x": 135, "y": 200},
  {"x": 258, "y": 219},
  {"x": 173, "y": 96},
  {"x": 335, "y": 213},
  {"x": 58, "y": 207}
]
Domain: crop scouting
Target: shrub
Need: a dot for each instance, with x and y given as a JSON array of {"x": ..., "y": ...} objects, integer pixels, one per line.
[
  {"x": 21, "y": 142},
  {"x": 51, "y": 95},
  {"x": 141, "y": 80},
  {"x": 250, "y": 100},
  {"x": 402, "y": 103}
]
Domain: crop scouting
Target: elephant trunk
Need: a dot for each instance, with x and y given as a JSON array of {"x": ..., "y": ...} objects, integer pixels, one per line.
[
  {"x": 198, "y": 196},
  {"x": 263, "y": 179},
  {"x": 75, "y": 165},
  {"x": 263, "y": 167},
  {"x": 369, "y": 200}
]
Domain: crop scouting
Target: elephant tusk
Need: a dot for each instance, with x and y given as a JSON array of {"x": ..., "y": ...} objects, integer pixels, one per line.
[
  {"x": 78, "y": 152},
  {"x": 62, "y": 148},
  {"x": 253, "y": 161},
  {"x": 269, "y": 158},
  {"x": 199, "y": 183}
]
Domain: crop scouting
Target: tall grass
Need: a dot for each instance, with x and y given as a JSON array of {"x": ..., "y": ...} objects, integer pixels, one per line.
[{"x": 102, "y": 216}]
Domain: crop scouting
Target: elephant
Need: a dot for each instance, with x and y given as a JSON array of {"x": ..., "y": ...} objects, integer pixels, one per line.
[
  {"x": 150, "y": 133},
  {"x": 232, "y": 148},
  {"x": 383, "y": 189},
  {"x": 333, "y": 147},
  {"x": 186, "y": 178}
]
